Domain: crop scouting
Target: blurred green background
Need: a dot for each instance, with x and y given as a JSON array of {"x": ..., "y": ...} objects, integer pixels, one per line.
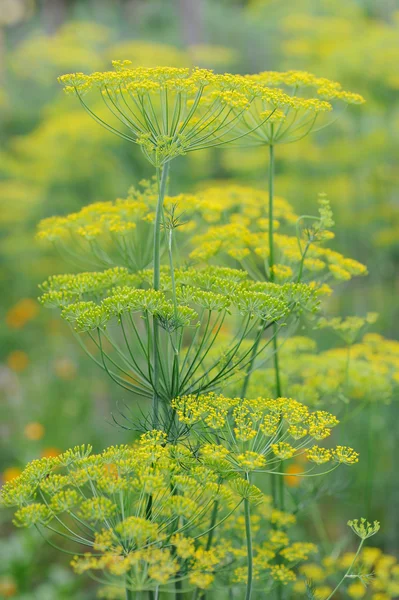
[{"x": 54, "y": 159}]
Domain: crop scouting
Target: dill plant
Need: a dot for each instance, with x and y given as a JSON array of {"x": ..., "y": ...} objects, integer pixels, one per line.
[
  {"x": 295, "y": 118},
  {"x": 177, "y": 512}
]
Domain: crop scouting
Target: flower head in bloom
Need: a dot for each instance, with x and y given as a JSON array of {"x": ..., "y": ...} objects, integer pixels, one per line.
[
  {"x": 140, "y": 510},
  {"x": 116, "y": 233},
  {"x": 349, "y": 328},
  {"x": 276, "y": 553},
  {"x": 168, "y": 111},
  {"x": 325, "y": 378},
  {"x": 363, "y": 528},
  {"x": 103, "y": 305},
  {"x": 301, "y": 253},
  {"x": 304, "y": 99},
  {"x": 245, "y": 435}
]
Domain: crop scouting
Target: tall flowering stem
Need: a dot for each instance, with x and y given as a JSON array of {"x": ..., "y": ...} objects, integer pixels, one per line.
[
  {"x": 248, "y": 535},
  {"x": 275, "y": 330},
  {"x": 364, "y": 530},
  {"x": 162, "y": 179},
  {"x": 129, "y": 594},
  {"x": 271, "y": 260}
]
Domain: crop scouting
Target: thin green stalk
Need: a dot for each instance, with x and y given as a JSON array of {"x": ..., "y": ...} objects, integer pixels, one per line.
[
  {"x": 250, "y": 367},
  {"x": 347, "y": 572},
  {"x": 129, "y": 594},
  {"x": 178, "y": 589},
  {"x": 176, "y": 366},
  {"x": 157, "y": 277},
  {"x": 368, "y": 492},
  {"x": 248, "y": 535},
  {"x": 271, "y": 276},
  {"x": 271, "y": 261},
  {"x": 271, "y": 198}
]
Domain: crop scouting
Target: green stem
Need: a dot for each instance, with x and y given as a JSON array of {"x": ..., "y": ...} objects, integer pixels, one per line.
[
  {"x": 275, "y": 330},
  {"x": 370, "y": 461},
  {"x": 271, "y": 262},
  {"x": 248, "y": 535},
  {"x": 302, "y": 263},
  {"x": 271, "y": 198},
  {"x": 178, "y": 589},
  {"x": 176, "y": 346},
  {"x": 129, "y": 594},
  {"x": 248, "y": 374},
  {"x": 157, "y": 277},
  {"x": 347, "y": 572}
]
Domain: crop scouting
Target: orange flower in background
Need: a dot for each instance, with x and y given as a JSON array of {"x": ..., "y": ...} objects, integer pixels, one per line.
[
  {"x": 291, "y": 477},
  {"x": 8, "y": 587},
  {"x": 21, "y": 313},
  {"x": 9, "y": 474},
  {"x": 17, "y": 361},
  {"x": 34, "y": 431},
  {"x": 50, "y": 452}
]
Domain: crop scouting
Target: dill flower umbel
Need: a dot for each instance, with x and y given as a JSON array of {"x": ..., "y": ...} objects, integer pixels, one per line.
[
  {"x": 276, "y": 552},
  {"x": 363, "y": 528},
  {"x": 255, "y": 435},
  {"x": 141, "y": 511},
  {"x": 306, "y": 98},
  {"x": 300, "y": 245},
  {"x": 167, "y": 111},
  {"x": 118, "y": 233},
  {"x": 113, "y": 309},
  {"x": 368, "y": 373}
]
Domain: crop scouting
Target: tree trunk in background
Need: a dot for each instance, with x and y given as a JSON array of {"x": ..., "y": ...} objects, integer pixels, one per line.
[
  {"x": 53, "y": 14},
  {"x": 191, "y": 20}
]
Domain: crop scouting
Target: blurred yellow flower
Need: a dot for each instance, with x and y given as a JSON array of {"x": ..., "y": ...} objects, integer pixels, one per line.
[
  {"x": 34, "y": 431},
  {"x": 50, "y": 452},
  {"x": 357, "y": 590},
  {"x": 291, "y": 478},
  {"x": 17, "y": 360},
  {"x": 21, "y": 313},
  {"x": 9, "y": 474}
]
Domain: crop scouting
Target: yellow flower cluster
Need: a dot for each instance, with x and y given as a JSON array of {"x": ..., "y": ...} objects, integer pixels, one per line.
[
  {"x": 378, "y": 577},
  {"x": 275, "y": 555},
  {"x": 301, "y": 80},
  {"x": 350, "y": 327},
  {"x": 191, "y": 310},
  {"x": 243, "y": 238},
  {"x": 143, "y": 508},
  {"x": 170, "y": 111},
  {"x": 256, "y": 434},
  {"x": 106, "y": 234},
  {"x": 368, "y": 372},
  {"x": 293, "y": 117}
]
